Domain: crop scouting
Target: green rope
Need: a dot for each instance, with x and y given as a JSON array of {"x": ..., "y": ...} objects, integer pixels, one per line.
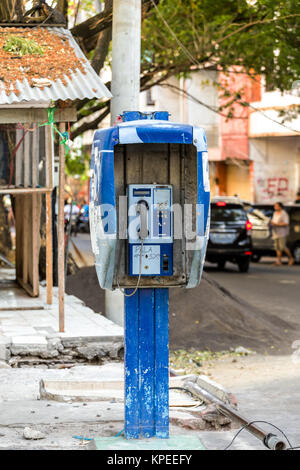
[{"x": 51, "y": 122}]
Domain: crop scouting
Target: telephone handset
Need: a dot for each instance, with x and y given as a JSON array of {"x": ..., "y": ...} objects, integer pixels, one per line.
[
  {"x": 150, "y": 230},
  {"x": 142, "y": 209}
]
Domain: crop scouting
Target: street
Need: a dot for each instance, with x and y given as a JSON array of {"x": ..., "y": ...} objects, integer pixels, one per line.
[{"x": 273, "y": 289}]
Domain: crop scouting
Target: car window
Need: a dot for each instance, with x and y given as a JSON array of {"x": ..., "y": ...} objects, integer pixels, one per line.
[
  {"x": 258, "y": 214},
  {"x": 295, "y": 216},
  {"x": 267, "y": 211},
  {"x": 227, "y": 214}
]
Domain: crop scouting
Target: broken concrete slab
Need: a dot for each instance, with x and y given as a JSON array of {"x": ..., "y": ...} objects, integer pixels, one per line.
[
  {"x": 104, "y": 390},
  {"x": 5, "y": 343},
  {"x": 187, "y": 421},
  {"x": 28, "y": 345},
  {"x": 213, "y": 388},
  {"x": 80, "y": 340},
  {"x": 100, "y": 349},
  {"x": 87, "y": 335},
  {"x": 4, "y": 365}
]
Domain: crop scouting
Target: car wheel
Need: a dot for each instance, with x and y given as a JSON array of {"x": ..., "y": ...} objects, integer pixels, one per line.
[
  {"x": 296, "y": 254},
  {"x": 255, "y": 258},
  {"x": 221, "y": 264},
  {"x": 243, "y": 265}
]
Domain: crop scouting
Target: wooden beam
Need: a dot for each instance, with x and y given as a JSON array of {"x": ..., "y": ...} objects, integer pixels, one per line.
[
  {"x": 61, "y": 235},
  {"x": 15, "y": 191},
  {"x": 35, "y": 157},
  {"x": 28, "y": 288},
  {"x": 49, "y": 253},
  {"x": 49, "y": 156},
  {"x": 25, "y": 250},
  {"x": 26, "y": 160},
  {"x": 35, "y": 234},
  {"x": 19, "y": 158},
  {"x": 27, "y": 115}
]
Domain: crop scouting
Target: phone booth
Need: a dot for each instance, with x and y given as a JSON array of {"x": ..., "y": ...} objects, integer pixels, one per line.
[{"x": 149, "y": 221}]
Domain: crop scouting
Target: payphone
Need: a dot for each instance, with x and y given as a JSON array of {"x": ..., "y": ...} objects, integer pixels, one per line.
[
  {"x": 150, "y": 230},
  {"x": 149, "y": 222}
]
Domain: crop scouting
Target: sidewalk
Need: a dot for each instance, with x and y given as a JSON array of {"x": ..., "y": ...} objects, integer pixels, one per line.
[{"x": 29, "y": 327}]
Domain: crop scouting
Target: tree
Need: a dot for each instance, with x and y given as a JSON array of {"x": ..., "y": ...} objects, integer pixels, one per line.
[{"x": 262, "y": 37}]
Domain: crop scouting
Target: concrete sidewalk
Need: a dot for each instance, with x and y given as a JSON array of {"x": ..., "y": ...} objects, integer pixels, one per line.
[
  {"x": 29, "y": 327},
  {"x": 273, "y": 397}
]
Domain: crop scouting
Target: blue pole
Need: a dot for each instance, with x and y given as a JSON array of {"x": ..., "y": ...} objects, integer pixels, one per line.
[{"x": 147, "y": 363}]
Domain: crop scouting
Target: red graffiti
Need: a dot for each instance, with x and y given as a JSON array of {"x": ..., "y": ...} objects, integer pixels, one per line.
[{"x": 276, "y": 186}]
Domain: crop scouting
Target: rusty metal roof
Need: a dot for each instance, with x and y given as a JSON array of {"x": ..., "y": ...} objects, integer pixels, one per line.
[{"x": 77, "y": 85}]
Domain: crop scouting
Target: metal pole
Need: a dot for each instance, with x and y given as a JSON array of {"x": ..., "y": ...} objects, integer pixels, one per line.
[
  {"x": 61, "y": 235},
  {"x": 269, "y": 440},
  {"x": 125, "y": 88},
  {"x": 147, "y": 363}
]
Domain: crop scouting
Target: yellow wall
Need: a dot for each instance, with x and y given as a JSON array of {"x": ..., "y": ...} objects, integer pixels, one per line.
[{"x": 238, "y": 181}]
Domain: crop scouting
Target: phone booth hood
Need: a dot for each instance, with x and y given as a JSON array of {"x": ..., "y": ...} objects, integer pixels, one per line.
[{"x": 143, "y": 150}]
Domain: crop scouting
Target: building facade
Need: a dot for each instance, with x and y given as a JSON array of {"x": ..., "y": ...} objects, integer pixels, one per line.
[{"x": 253, "y": 154}]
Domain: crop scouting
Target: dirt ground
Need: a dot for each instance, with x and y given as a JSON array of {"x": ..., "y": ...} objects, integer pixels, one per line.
[{"x": 208, "y": 317}]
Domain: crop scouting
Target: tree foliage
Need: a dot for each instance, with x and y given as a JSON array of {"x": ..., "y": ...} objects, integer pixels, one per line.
[{"x": 260, "y": 36}]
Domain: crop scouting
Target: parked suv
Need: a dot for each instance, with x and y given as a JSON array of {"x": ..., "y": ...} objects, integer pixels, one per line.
[
  {"x": 260, "y": 216},
  {"x": 229, "y": 238}
]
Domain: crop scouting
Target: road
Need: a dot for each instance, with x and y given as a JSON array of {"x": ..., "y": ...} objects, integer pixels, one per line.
[{"x": 273, "y": 289}]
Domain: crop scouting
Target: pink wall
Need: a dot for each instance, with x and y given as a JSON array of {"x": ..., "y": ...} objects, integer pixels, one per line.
[{"x": 234, "y": 132}]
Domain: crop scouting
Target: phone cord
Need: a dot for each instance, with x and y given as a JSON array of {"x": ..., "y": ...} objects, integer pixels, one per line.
[{"x": 139, "y": 278}]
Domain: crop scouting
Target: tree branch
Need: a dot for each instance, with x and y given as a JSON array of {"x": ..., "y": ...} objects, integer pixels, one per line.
[
  {"x": 103, "y": 42},
  {"x": 86, "y": 32},
  {"x": 86, "y": 126}
]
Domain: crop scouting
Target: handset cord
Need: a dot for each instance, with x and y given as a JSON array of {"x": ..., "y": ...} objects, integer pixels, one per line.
[{"x": 140, "y": 274}]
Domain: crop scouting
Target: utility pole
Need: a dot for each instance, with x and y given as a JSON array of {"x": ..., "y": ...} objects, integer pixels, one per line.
[
  {"x": 125, "y": 88},
  {"x": 126, "y": 56}
]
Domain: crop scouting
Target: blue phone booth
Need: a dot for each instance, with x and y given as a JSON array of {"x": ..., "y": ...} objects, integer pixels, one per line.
[{"x": 149, "y": 220}]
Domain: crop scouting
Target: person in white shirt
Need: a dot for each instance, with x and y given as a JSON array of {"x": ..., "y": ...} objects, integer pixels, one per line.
[
  {"x": 280, "y": 231},
  {"x": 67, "y": 210}
]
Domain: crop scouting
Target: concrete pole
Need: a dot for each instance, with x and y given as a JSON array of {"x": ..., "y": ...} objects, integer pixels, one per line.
[
  {"x": 126, "y": 56},
  {"x": 125, "y": 88}
]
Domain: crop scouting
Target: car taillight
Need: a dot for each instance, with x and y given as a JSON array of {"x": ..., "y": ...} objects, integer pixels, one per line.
[
  {"x": 248, "y": 225},
  {"x": 221, "y": 203}
]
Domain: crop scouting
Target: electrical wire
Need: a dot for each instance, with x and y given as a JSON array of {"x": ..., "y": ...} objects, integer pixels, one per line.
[{"x": 261, "y": 422}]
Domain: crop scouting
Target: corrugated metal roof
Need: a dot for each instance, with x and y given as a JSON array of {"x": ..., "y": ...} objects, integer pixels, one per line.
[{"x": 79, "y": 86}]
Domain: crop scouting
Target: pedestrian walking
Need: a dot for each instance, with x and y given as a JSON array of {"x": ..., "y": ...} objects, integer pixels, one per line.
[{"x": 280, "y": 230}]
